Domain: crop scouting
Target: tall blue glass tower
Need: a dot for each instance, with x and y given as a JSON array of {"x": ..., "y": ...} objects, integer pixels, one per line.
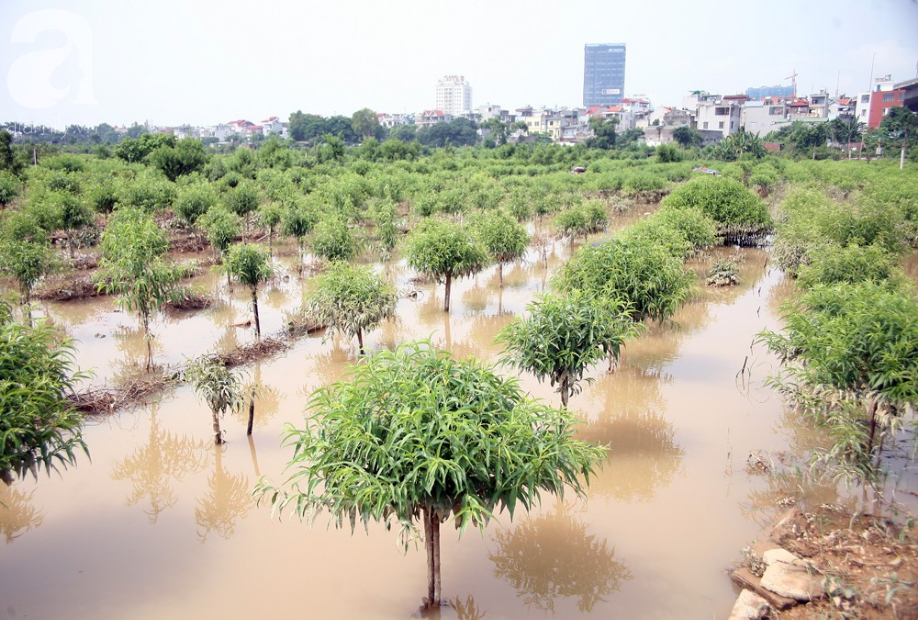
[{"x": 603, "y": 73}]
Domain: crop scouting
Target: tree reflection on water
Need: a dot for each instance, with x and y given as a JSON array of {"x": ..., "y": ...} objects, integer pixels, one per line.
[
  {"x": 552, "y": 556},
  {"x": 228, "y": 498},
  {"x": 467, "y": 609},
  {"x": 643, "y": 455},
  {"x": 154, "y": 466},
  {"x": 17, "y": 514},
  {"x": 267, "y": 400}
]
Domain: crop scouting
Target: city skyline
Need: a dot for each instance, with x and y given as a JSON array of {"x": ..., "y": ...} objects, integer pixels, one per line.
[{"x": 172, "y": 64}]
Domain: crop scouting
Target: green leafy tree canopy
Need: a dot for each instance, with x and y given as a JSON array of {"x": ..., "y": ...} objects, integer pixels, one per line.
[
  {"x": 352, "y": 300},
  {"x": 133, "y": 267},
  {"x": 38, "y": 426},
  {"x": 445, "y": 251},
  {"x": 413, "y": 435},
  {"x": 564, "y": 335}
]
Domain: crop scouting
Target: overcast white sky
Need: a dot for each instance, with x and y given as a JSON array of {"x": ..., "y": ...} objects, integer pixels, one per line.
[{"x": 202, "y": 62}]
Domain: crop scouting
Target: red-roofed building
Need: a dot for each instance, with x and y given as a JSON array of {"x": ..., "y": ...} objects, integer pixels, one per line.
[
  {"x": 431, "y": 117},
  {"x": 240, "y": 126}
]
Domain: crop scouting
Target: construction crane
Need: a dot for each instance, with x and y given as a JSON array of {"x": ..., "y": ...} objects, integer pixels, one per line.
[{"x": 793, "y": 78}]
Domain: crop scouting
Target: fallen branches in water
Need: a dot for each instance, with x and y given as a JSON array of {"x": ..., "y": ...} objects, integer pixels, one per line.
[{"x": 107, "y": 399}]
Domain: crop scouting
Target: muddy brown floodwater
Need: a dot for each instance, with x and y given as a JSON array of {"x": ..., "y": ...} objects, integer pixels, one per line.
[{"x": 161, "y": 524}]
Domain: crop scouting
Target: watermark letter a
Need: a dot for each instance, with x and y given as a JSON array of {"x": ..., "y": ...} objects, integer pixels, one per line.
[{"x": 29, "y": 79}]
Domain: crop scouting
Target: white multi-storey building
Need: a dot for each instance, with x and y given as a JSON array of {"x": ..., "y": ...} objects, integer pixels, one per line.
[{"x": 454, "y": 95}]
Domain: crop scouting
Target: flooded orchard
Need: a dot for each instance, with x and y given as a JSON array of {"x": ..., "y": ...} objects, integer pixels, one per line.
[{"x": 160, "y": 522}]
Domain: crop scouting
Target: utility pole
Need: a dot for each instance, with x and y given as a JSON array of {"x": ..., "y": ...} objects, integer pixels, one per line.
[{"x": 872, "y": 60}]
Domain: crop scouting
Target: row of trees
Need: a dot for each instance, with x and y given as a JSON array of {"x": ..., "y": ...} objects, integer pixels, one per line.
[
  {"x": 898, "y": 129},
  {"x": 850, "y": 342}
]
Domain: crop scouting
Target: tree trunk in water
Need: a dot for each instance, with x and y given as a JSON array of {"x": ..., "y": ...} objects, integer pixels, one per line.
[
  {"x": 25, "y": 296},
  {"x": 218, "y": 436},
  {"x": 432, "y": 545},
  {"x": 435, "y": 525},
  {"x": 248, "y": 430},
  {"x": 70, "y": 244},
  {"x": 360, "y": 340},
  {"x": 873, "y": 426},
  {"x": 254, "y": 456},
  {"x": 449, "y": 281},
  {"x": 500, "y": 275},
  {"x": 146, "y": 335},
  {"x": 255, "y": 308}
]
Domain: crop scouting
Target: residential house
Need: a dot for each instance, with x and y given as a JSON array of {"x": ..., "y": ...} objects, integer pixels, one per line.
[
  {"x": 655, "y": 135},
  {"x": 636, "y": 112},
  {"x": 909, "y": 94},
  {"x": 798, "y": 109},
  {"x": 763, "y": 117},
  {"x": 392, "y": 120},
  {"x": 488, "y": 111},
  {"x": 842, "y": 107},
  {"x": 221, "y": 132},
  {"x": 719, "y": 115},
  {"x": 184, "y": 131},
  {"x": 819, "y": 105},
  {"x": 535, "y": 119},
  {"x": 272, "y": 125},
  {"x": 873, "y": 106},
  {"x": 431, "y": 117},
  {"x": 241, "y": 127},
  {"x": 676, "y": 117}
]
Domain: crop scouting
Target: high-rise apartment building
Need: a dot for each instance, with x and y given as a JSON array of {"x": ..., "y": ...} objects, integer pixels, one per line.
[
  {"x": 603, "y": 73},
  {"x": 454, "y": 95},
  {"x": 767, "y": 92}
]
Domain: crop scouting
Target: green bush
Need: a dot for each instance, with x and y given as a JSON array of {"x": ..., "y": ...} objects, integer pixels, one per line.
[
  {"x": 681, "y": 231},
  {"x": 333, "y": 240},
  {"x": 193, "y": 202},
  {"x": 646, "y": 277},
  {"x": 851, "y": 360},
  {"x": 726, "y": 201},
  {"x": 149, "y": 193},
  {"x": 831, "y": 263},
  {"x": 808, "y": 218},
  {"x": 9, "y": 188},
  {"x": 38, "y": 426}
]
